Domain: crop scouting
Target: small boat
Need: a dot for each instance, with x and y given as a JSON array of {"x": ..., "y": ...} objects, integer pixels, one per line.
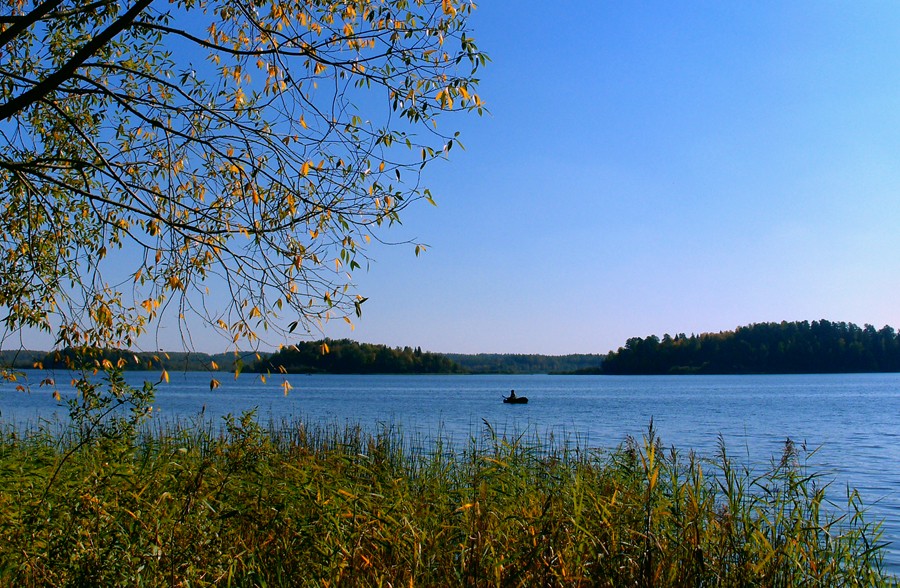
[{"x": 515, "y": 400}]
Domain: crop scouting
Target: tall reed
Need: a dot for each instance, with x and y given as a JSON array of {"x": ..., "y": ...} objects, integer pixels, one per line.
[{"x": 238, "y": 504}]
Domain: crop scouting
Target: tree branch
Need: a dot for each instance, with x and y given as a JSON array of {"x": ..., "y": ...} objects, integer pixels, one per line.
[
  {"x": 52, "y": 82},
  {"x": 20, "y": 24}
]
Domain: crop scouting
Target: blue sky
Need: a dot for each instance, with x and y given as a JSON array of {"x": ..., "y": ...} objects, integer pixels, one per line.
[{"x": 656, "y": 167}]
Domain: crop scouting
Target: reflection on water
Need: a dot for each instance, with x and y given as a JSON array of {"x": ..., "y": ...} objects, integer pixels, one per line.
[{"x": 852, "y": 417}]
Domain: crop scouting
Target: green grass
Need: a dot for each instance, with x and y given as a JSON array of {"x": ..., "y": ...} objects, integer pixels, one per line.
[{"x": 242, "y": 505}]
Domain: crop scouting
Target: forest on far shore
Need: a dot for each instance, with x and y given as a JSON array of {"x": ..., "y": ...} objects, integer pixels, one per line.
[
  {"x": 343, "y": 356},
  {"x": 526, "y": 363},
  {"x": 763, "y": 348},
  {"x": 128, "y": 360},
  {"x": 337, "y": 356}
]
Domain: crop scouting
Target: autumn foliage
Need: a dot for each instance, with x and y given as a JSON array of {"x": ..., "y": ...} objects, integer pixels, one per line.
[{"x": 228, "y": 161}]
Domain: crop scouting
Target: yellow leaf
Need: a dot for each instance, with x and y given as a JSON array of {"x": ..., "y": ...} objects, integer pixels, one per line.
[
  {"x": 164, "y": 377},
  {"x": 305, "y": 169},
  {"x": 445, "y": 98},
  {"x": 213, "y": 384}
]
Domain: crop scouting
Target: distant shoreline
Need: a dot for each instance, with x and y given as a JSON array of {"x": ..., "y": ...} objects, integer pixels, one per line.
[{"x": 799, "y": 347}]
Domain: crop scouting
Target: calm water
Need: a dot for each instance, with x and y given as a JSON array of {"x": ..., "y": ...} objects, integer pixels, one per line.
[{"x": 854, "y": 417}]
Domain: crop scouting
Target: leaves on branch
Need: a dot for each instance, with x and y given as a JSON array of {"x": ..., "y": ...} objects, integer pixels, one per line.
[{"x": 153, "y": 153}]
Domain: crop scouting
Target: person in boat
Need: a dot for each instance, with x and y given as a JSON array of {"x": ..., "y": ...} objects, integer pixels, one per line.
[{"x": 512, "y": 395}]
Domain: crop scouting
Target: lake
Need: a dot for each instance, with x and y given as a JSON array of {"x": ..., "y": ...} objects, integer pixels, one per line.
[{"x": 853, "y": 417}]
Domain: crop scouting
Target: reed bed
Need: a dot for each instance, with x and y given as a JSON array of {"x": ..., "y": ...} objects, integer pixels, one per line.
[{"x": 239, "y": 504}]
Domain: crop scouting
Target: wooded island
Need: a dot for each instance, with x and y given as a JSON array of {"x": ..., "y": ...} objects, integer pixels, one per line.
[
  {"x": 344, "y": 356},
  {"x": 763, "y": 348}
]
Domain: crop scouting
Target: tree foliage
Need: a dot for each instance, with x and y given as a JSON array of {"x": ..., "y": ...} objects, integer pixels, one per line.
[
  {"x": 786, "y": 347},
  {"x": 349, "y": 357},
  {"x": 525, "y": 363},
  {"x": 154, "y": 152},
  {"x": 128, "y": 360}
]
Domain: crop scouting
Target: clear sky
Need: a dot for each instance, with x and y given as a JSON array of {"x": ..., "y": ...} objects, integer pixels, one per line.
[{"x": 656, "y": 167}]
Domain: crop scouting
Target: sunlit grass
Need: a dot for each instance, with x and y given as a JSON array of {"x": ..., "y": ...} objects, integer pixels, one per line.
[{"x": 242, "y": 505}]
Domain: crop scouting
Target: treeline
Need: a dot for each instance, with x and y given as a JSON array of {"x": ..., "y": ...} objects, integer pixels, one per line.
[
  {"x": 20, "y": 358},
  {"x": 508, "y": 363},
  {"x": 350, "y": 357},
  {"x": 772, "y": 348},
  {"x": 338, "y": 356},
  {"x": 126, "y": 359}
]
